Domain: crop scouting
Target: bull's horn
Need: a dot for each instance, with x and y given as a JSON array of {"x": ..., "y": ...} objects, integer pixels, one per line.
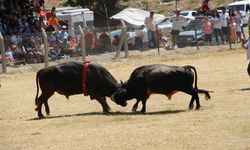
[{"x": 112, "y": 97}]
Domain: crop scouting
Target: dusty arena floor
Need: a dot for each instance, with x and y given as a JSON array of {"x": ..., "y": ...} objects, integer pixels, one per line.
[{"x": 78, "y": 123}]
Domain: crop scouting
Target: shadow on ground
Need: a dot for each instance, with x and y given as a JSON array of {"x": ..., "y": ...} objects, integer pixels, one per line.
[{"x": 113, "y": 114}]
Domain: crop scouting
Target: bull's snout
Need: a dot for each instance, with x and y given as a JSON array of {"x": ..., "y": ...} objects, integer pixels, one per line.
[{"x": 124, "y": 104}]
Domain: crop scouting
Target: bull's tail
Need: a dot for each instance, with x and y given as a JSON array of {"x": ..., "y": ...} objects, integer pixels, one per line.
[
  {"x": 207, "y": 95},
  {"x": 37, "y": 88}
]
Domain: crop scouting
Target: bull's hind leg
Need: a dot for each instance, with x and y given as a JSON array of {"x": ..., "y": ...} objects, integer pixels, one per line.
[
  {"x": 39, "y": 107},
  {"x": 47, "y": 108},
  {"x": 103, "y": 102},
  {"x": 43, "y": 99}
]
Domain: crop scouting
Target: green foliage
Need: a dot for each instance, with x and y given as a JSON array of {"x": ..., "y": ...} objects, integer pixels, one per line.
[{"x": 96, "y": 5}]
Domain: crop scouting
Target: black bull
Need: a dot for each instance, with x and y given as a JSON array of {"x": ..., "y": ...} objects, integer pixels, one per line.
[
  {"x": 66, "y": 79},
  {"x": 161, "y": 79}
]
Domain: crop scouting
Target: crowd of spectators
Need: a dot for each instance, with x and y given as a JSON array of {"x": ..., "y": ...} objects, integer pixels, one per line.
[{"x": 22, "y": 20}]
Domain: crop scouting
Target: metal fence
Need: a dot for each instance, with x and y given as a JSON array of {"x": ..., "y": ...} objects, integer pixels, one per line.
[{"x": 48, "y": 45}]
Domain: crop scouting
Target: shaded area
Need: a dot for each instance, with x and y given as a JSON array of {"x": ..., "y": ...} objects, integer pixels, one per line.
[
  {"x": 245, "y": 89},
  {"x": 112, "y": 114}
]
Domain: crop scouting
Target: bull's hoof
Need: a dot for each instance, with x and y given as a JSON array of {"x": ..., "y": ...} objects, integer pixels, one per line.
[
  {"x": 143, "y": 111},
  {"x": 134, "y": 109},
  {"x": 191, "y": 107},
  {"x": 105, "y": 111},
  {"x": 197, "y": 108},
  {"x": 41, "y": 116},
  {"x": 47, "y": 113}
]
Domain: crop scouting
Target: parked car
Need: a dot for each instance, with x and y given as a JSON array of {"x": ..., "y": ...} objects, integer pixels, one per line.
[
  {"x": 165, "y": 26},
  {"x": 188, "y": 37},
  {"x": 244, "y": 8}
]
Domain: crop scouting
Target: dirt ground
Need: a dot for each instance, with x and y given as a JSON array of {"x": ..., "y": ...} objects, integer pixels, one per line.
[{"x": 78, "y": 123}]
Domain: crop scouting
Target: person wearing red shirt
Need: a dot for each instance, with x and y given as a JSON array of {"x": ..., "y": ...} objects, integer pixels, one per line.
[{"x": 51, "y": 13}]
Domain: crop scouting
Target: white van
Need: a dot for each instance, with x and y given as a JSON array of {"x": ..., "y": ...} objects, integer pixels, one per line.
[
  {"x": 244, "y": 7},
  {"x": 72, "y": 17}
]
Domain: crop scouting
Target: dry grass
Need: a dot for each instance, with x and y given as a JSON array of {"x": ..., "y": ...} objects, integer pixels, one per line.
[{"x": 222, "y": 123}]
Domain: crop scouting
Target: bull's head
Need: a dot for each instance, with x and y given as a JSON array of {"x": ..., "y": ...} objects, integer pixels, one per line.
[{"x": 119, "y": 96}]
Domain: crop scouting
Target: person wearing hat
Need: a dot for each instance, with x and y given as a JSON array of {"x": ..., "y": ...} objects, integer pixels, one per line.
[
  {"x": 177, "y": 24},
  {"x": 151, "y": 30},
  {"x": 62, "y": 34}
]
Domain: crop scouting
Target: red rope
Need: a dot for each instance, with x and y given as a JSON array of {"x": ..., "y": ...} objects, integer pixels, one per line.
[{"x": 84, "y": 75}]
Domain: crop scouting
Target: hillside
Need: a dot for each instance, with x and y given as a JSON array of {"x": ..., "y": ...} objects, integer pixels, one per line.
[{"x": 160, "y": 7}]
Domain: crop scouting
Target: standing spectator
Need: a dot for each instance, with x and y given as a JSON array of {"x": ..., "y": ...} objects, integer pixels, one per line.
[
  {"x": 205, "y": 7},
  {"x": 53, "y": 21},
  {"x": 96, "y": 43},
  {"x": 239, "y": 19},
  {"x": 149, "y": 22},
  {"x": 39, "y": 3},
  {"x": 217, "y": 27},
  {"x": 238, "y": 32},
  {"x": 232, "y": 26},
  {"x": 105, "y": 42},
  {"x": 249, "y": 26},
  {"x": 224, "y": 24},
  {"x": 51, "y": 13},
  {"x": 207, "y": 28},
  {"x": 89, "y": 41},
  {"x": 178, "y": 22}
]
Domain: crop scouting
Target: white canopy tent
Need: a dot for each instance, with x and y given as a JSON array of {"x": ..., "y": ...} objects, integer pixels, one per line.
[{"x": 136, "y": 17}]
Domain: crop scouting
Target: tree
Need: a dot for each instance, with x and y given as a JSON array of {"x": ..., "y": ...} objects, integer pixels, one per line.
[{"x": 98, "y": 6}]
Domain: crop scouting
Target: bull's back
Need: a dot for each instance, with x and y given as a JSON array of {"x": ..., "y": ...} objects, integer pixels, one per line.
[
  {"x": 159, "y": 78},
  {"x": 64, "y": 78}
]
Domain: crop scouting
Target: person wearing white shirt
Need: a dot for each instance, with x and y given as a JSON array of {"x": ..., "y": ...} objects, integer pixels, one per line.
[
  {"x": 178, "y": 22},
  {"x": 224, "y": 24},
  {"x": 239, "y": 19},
  {"x": 151, "y": 30},
  {"x": 217, "y": 27}
]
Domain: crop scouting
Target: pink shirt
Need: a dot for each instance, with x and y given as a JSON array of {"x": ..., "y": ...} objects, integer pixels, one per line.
[{"x": 207, "y": 27}]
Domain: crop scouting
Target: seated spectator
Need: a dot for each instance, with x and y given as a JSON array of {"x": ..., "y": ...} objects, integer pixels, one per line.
[
  {"x": 9, "y": 57},
  {"x": 139, "y": 35},
  {"x": 65, "y": 47},
  {"x": 115, "y": 42},
  {"x": 16, "y": 38},
  {"x": 55, "y": 51},
  {"x": 131, "y": 39},
  {"x": 51, "y": 13},
  {"x": 19, "y": 54},
  {"x": 34, "y": 54},
  {"x": 105, "y": 43},
  {"x": 62, "y": 34},
  {"x": 72, "y": 46}
]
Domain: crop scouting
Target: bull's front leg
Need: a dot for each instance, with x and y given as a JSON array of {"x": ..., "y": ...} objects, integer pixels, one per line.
[
  {"x": 134, "y": 108},
  {"x": 143, "y": 110},
  {"x": 103, "y": 102}
]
